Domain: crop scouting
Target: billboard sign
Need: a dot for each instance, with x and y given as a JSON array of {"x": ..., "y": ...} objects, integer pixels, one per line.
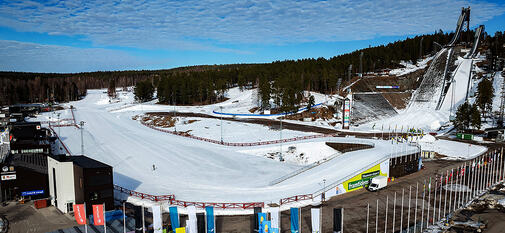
[
  {"x": 387, "y": 87},
  {"x": 31, "y": 193},
  {"x": 362, "y": 179},
  {"x": 9, "y": 177}
]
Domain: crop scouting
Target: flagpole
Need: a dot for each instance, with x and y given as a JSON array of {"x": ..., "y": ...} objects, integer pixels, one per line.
[
  {"x": 104, "y": 220},
  {"x": 394, "y": 213},
  {"x": 440, "y": 196},
  {"x": 86, "y": 218},
  {"x": 124, "y": 217},
  {"x": 143, "y": 220},
  {"x": 435, "y": 201},
  {"x": 445, "y": 196},
  {"x": 415, "y": 208},
  {"x": 367, "y": 216},
  {"x": 377, "y": 216},
  {"x": 386, "y": 222},
  {"x": 408, "y": 213},
  {"x": 450, "y": 195},
  {"x": 422, "y": 209},
  {"x": 401, "y": 212},
  {"x": 429, "y": 198}
]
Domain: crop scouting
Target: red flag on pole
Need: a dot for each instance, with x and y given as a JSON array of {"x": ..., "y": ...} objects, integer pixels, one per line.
[
  {"x": 79, "y": 212},
  {"x": 98, "y": 214}
]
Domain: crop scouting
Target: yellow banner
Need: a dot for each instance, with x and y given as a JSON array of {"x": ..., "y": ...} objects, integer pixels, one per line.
[
  {"x": 180, "y": 230},
  {"x": 363, "y": 178}
]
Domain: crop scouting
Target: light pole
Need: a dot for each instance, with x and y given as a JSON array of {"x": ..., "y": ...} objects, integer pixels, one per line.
[
  {"x": 59, "y": 124},
  {"x": 82, "y": 138},
  {"x": 221, "y": 107},
  {"x": 175, "y": 117},
  {"x": 324, "y": 191},
  {"x": 280, "y": 132}
]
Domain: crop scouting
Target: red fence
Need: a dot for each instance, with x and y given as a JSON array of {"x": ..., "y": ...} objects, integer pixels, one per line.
[
  {"x": 63, "y": 144},
  {"x": 239, "y": 143},
  {"x": 245, "y": 205},
  {"x": 295, "y": 199},
  {"x": 144, "y": 195},
  {"x": 171, "y": 199}
]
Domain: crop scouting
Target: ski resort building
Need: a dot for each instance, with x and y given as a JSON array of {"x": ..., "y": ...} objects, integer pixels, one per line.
[{"x": 79, "y": 179}]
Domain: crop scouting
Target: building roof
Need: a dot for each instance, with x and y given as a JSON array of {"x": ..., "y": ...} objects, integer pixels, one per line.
[{"x": 81, "y": 161}]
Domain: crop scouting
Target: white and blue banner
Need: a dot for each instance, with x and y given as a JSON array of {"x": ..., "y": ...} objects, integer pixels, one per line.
[
  {"x": 274, "y": 218},
  {"x": 174, "y": 217},
  {"x": 261, "y": 218},
  {"x": 266, "y": 227},
  {"x": 192, "y": 226},
  {"x": 295, "y": 224},
  {"x": 209, "y": 210},
  {"x": 315, "y": 216},
  {"x": 157, "y": 220}
]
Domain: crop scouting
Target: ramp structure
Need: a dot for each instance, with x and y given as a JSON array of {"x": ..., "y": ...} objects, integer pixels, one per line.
[{"x": 437, "y": 80}]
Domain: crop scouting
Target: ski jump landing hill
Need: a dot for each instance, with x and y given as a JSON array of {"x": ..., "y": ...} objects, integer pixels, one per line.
[{"x": 152, "y": 167}]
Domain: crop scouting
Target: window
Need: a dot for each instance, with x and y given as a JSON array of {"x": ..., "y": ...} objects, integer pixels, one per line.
[{"x": 70, "y": 207}]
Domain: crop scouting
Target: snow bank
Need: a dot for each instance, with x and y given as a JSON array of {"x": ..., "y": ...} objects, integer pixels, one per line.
[
  {"x": 453, "y": 150},
  {"x": 297, "y": 153}
]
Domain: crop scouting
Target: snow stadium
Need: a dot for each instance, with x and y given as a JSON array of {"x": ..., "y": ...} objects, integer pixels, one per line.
[{"x": 156, "y": 165}]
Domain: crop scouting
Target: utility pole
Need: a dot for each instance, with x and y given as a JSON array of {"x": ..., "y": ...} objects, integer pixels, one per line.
[
  {"x": 361, "y": 63},
  {"x": 421, "y": 48},
  {"x": 349, "y": 73},
  {"x": 221, "y": 107},
  {"x": 280, "y": 132},
  {"x": 175, "y": 116},
  {"x": 82, "y": 138}
]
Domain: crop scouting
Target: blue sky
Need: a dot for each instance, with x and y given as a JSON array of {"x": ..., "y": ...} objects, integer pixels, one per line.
[{"x": 91, "y": 35}]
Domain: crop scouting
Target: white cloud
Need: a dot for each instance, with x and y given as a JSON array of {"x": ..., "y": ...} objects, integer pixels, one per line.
[
  {"x": 204, "y": 24},
  {"x": 32, "y": 57}
]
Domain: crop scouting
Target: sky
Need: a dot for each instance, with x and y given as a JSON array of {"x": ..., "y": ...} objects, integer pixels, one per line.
[{"x": 99, "y": 35}]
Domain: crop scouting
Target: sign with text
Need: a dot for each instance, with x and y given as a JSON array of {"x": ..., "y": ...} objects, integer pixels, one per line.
[
  {"x": 31, "y": 193},
  {"x": 9, "y": 177},
  {"x": 98, "y": 215},
  {"x": 387, "y": 87},
  {"x": 80, "y": 214}
]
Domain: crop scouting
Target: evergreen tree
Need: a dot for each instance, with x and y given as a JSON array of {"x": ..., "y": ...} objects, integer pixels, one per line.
[
  {"x": 144, "y": 91},
  {"x": 485, "y": 94},
  {"x": 462, "y": 120},
  {"x": 475, "y": 121},
  {"x": 311, "y": 102}
]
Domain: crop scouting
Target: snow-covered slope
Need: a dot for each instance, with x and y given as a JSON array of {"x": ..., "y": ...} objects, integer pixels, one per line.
[{"x": 195, "y": 170}]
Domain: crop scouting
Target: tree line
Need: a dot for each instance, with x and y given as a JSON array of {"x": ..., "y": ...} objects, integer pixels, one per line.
[{"x": 282, "y": 81}]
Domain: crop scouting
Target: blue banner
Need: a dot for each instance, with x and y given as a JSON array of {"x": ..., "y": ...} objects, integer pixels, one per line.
[
  {"x": 174, "y": 217},
  {"x": 420, "y": 163},
  {"x": 30, "y": 193},
  {"x": 261, "y": 218},
  {"x": 266, "y": 227},
  {"x": 210, "y": 219},
  {"x": 294, "y": 221}
]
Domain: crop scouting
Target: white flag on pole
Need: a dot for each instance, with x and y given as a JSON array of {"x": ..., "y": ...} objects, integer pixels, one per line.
[
  {"x": 274, "y": 218},
  {"x": 314, "y": 212},
  {"x": 157, "y": 220},
  {"x": 193, "y": 228}
]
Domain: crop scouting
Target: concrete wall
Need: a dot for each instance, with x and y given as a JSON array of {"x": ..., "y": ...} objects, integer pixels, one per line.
[{"x": 65, "y": 190}]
